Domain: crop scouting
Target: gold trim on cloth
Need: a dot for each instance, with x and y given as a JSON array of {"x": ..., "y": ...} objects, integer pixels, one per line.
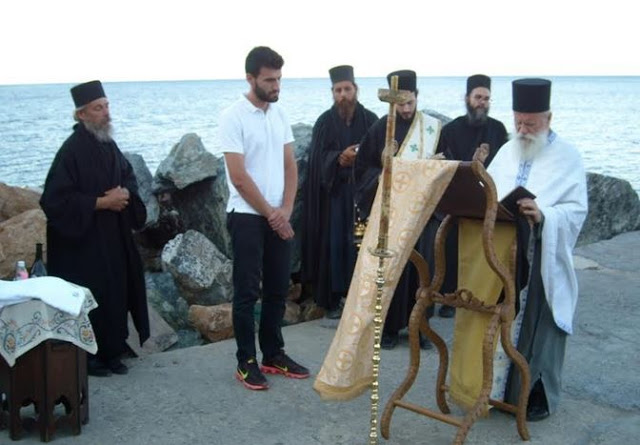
[
  {"x": 475, "y": 274},
  {"x": 417, "y": 187}
]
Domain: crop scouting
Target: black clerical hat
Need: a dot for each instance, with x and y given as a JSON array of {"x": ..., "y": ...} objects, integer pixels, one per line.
[
  {"x": 86, "y": 92},
  {"x": 406, "y": 79},
  {"x": 478, "y": 80},
  {"x": 531, "y": 95},
  {"x": 341, "y": 73}
]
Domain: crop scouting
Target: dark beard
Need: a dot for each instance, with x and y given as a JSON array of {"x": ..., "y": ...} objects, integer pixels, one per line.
[
  {"x": 102, "y": 132},
  {"x": 263, "y": 96},
  {"x": 346, "y": 110},
  {"x": 477, "y": 116}
]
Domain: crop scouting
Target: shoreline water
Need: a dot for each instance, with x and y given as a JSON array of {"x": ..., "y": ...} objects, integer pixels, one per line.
[{"x": 150, "y": 117}]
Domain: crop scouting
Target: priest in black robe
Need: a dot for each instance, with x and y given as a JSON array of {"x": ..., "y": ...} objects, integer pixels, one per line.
[
  {"x": 417, "y": 136},
  {"x": 459, "y": 141},
  {"x": 92, "y": 205},
  {"x": 462, "y": 136},
  {"x": 328, "y": 249}
]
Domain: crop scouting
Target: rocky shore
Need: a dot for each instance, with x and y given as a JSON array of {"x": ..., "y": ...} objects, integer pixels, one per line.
[{"x": 186, "y": 247}]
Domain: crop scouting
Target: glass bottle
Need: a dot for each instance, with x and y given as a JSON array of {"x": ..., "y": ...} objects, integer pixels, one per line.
[
  {"x": 21, "y": 271},
  {"x": 37, "y": 268}
]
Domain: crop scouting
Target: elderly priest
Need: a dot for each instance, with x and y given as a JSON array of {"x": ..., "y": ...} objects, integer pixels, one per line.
[{"x": 552, "y": 169}]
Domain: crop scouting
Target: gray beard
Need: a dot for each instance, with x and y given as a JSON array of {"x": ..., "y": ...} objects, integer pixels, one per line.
[
  {"x": 530, "y": 145},
  {"x": 103, "y": 133}
]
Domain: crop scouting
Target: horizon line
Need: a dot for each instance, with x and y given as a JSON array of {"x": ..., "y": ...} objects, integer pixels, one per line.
[{"x": 36, "y": 83}]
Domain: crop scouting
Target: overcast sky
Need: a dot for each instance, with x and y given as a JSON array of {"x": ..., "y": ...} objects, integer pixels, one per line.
[{"x": 50, "y": 41}]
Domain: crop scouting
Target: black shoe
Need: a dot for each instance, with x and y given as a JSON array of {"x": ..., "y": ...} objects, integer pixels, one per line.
[
  {"x": 285, "y": 365},
  {"x": 117, "y": 367},
  {"x": 537, "y": 407},
  {"x": 446, "y": 311},
  {"x": 97, "y": 368},
  {"x": 425, "y": 344},
  {"x": 536, "y": 413},
  {"x": 249, "y": 374},
  {"x": 389, "y": 341}
]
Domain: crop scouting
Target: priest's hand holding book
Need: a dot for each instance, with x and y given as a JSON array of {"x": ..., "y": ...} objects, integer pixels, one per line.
[
  {"x": 529, "y": 208},
  {"x": 520, "y": 200}
]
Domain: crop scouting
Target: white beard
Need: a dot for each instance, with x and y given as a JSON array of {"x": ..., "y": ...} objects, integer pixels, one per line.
[
  {"x": 530, "y": 145},
  {"x": 103, "y": 133}
]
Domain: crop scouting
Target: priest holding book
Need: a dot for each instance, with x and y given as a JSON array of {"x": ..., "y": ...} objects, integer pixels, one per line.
[{"x": 552, "y": 170}]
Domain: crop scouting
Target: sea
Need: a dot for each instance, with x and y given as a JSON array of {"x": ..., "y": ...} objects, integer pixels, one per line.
[{"x": 600, "y": 115}]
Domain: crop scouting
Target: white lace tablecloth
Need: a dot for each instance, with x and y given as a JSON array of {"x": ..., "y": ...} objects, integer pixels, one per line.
[{"x": 25, "y": 325}]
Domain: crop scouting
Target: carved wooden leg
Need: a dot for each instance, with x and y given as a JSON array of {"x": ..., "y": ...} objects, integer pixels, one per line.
[
  {"x": 523, "y": 369},
  {"x": 417, "y": 314}
]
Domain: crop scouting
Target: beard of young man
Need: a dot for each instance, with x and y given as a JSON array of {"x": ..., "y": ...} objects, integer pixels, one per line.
[
  {"x": 103, "y": 131},
  {"x": 530, "y": 145},
  {"x": 264, "y": 96},
  {"x": 477, "y": 116},
  {"x": 346, "y": 108}
]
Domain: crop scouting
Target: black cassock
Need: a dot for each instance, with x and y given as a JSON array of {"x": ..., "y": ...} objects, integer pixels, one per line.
[
  {"x": 458, "y": 142},
  {"x": 459, "y": 139},
  {"x": 328, "y": 251},
  {"x": 367, "y": 170},
  {"x": 95, "y": 248}
]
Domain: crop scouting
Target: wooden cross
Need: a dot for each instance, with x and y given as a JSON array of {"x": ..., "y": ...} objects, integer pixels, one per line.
[{"x": 394, "y": 97}]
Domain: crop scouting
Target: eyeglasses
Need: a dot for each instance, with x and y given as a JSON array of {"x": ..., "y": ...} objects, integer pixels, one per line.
[{"x": 481, "y": 98}]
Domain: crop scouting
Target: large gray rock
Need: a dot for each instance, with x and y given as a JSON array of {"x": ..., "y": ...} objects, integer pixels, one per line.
[
  {"x": 614, "y": 208},
  {"x": 161, "y": 335},
  {"x": 165, "y": 297},
  {"x": 145, "y": 186},
  {"x": 188, "y": 338},
  {"x": 188, "y": 162},
  {"x": 202, "y": 207},
  {"x": 202, "y": 273}
]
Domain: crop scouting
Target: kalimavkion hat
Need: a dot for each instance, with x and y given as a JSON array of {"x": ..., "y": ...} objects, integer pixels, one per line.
[
  {"x": 478, "y": 80},
  {"x": 341, "y": 73},
  {"x": 87, "y": 92},
  {"x": 406, "y": 79},
  {"x": 531, "y": 95}
]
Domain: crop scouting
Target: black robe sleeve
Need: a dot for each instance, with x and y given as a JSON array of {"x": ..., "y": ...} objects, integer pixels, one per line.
[
  {"x": 69, "y": 209},
  {"x": 314, "y": 204},
  {"x": 368, "y": 166}
]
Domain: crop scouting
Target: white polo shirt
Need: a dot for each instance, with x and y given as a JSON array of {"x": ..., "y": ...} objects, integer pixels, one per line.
[{"x": 260, "y": 136}]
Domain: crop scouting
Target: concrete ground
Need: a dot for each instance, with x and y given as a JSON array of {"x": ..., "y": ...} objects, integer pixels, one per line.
[{"x": 189, "y": 396}]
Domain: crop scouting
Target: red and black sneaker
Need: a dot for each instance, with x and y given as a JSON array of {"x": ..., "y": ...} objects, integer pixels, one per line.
[
  {"x": 283, "y": 364},
  {"x": 248, "y": 373}
]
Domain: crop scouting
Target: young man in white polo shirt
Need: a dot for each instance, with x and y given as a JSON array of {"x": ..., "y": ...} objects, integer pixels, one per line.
[{"x": 262, "y": 175}]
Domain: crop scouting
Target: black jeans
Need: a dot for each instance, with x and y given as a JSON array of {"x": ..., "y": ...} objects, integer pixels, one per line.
[{"x": 258, "y": 253}]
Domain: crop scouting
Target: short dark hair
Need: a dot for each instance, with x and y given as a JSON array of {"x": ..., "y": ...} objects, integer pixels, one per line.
[{"x": 262, "y": 56}]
